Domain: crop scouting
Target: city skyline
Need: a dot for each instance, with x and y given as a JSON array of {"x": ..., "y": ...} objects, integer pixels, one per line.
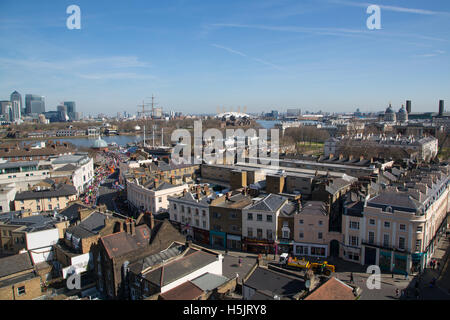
[{"x": 196, "y": 57}]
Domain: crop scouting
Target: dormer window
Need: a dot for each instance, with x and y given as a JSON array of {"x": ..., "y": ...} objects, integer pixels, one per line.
[{"x": 389, "y": 209}]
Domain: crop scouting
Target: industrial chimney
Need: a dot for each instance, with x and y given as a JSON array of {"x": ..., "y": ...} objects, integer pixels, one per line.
[
  {"x": 408, "y": 106},
  {"x": 441, "y": 108}
]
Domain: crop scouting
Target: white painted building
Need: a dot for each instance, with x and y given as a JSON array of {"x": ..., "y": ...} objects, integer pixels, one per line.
[
  {"x": 152, "y": 198},
  {"x": 192, "y": 208},
  {"x": 260, "y": 219}
]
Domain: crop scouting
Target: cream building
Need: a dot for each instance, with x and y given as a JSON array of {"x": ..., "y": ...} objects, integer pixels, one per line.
[
  {"x": 153, "y": 196},
  {"x": 311, "y": 237},
  {"x": 260, "y": 219},
  {"x": 399, "y": 228}
]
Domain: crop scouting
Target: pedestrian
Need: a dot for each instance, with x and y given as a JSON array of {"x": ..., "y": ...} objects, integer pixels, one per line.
[
  {"x": 406, "y": 275},
  {"x": 240, "y": 262},
  {"x": 438, "y": 265},
  {"x": 351, "y": 278},
  {"x": 397, "y": 292}
]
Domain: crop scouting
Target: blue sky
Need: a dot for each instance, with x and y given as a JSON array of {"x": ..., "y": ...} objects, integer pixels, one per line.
[{"x": 196, "y": 56}]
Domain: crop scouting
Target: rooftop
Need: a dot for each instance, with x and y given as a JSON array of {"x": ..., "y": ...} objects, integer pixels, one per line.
[
  {"x": 333, "y": 289},
  {"x": 15, "y": 264},
  {"x": 185, "y": 291},
  {"x": 60, "y": 191},
  {"x": 275, "y": 283}
]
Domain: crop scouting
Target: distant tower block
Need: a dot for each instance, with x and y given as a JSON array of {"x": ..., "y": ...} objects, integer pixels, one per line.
[
  {"x": 408, "y": 106},
  {"x": 441, "y": 108}
]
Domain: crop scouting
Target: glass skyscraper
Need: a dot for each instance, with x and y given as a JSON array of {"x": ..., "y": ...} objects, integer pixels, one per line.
[
  {"x": 71, "y": 109},
  {"x": 34, "y": 104},
  {"x": 15, "y": 96}
]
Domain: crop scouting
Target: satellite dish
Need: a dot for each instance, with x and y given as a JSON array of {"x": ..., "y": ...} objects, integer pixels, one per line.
[{"x": 308, "y": 284}]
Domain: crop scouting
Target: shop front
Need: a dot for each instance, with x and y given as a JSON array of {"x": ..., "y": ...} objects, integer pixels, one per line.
[
  {"x": 234, "y": 242},
  {"x": 400, "y": 263},
  {"x": 217, "y": 239},
  {"x": 285, "y": 246},
  {"x": 417, "y": 262},
  {"x": 310, "y": 250},
  {"x": 259, "y": 246},
  {"x": 385, "y": 261},
  {"x": 201, "y": 236}
]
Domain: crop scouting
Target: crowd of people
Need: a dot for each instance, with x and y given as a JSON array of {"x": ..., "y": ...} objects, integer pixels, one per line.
[{"x": 107, "y": 163}]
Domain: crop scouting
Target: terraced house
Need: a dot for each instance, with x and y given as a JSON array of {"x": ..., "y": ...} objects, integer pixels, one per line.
[
  {"x": 42, "y": 199},
  {"x": 190, "y": 212},
  {"x": 260, "y": 223},
  {"x": 399, "y": 228}
]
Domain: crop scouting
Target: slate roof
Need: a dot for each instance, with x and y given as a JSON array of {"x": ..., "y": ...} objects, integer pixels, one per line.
[
  {"x": 62, "y": 191},
  {"x": 157, "y": 258},
  {"x": 314, "y": 208},
  {"x": 271, "y": 203},
  {"x": 339, "y": 183},
  {"x": 333, "y": 289},
  {"x": 18, "y": 164},
  {"x": 15, "y": 264},
  {"x": 71, "y": 212},
  {"x": 288, "y": 209},
  {"x": 89, "y": 227},
  {"x": 274, "y": 283},
  {"x": 31, "y": 223},
  {"x": 395, "y": 200}
]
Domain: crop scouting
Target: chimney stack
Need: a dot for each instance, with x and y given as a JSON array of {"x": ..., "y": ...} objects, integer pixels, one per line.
[
  {"x": 133, "y": 228},
  {"x": 441, "y": 108}
]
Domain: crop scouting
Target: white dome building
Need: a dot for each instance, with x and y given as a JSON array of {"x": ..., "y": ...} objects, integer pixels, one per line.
[
  {"x": 402, "y": 115},
  {"x": 100, "y": 144}
]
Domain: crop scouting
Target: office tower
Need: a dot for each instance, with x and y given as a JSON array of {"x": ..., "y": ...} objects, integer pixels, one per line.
[
  {"x": 15, "y": 96},
  {"x": 441, "y": 108},
  {"x": 6, "y": 109},
  {"x": 16, "y": 110},
  {"x": 34, "y": 104},
  {"x": 408, "y": 106},
  {"x": 62, "y": 113},
  {"x": 71, "y": 109}
]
